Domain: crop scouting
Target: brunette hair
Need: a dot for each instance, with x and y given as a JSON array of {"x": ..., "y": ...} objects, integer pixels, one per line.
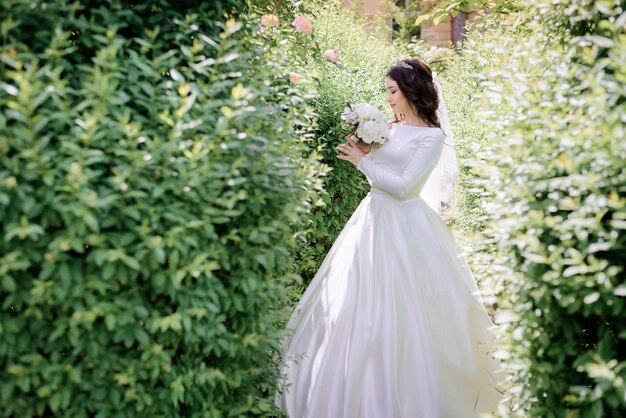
[{"x": 415, "y": 81}]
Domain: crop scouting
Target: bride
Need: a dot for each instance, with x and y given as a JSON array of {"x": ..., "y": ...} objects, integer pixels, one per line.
[{"x": 392, "y": 324}]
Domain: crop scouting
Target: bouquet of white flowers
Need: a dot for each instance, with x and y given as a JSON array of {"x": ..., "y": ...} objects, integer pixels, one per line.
[{"x": 368, "y": 124}]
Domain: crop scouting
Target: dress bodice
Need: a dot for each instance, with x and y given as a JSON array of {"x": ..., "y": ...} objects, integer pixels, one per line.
[{"x": 401, "y": 166}]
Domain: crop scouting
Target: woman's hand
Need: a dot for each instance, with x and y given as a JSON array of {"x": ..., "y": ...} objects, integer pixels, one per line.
[
  {"x": 364, "y": 147},
  {"x": 350, "y": 151}
]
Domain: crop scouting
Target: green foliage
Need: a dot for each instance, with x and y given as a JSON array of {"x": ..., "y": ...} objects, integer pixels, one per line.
[
  {"x": 358, "y": 77},
  {"x": 403, "y": 17},
  {"x": 541, "y": 202},
  {"x": 441, "y": 9},
  {"x": 146, "y": 205},
  {"x": 554, "y": 194},
  {"x": 461, "y": 76}
]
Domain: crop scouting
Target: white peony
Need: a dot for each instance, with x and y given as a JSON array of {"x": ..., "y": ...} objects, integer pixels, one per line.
[
  {"x": 373, "y": 132},
  {"x": 383, "y": 132},
  {"x": 367, "y": 131},
  {"x": 369, "y": 123}
]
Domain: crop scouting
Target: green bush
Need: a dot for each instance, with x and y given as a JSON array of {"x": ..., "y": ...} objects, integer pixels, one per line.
[
  {"x": 460, "y": 75},
  {"x": 474, "y": 82},
  {"x": 358, "y": 77},
  {"x": 403, "y": 15},
  {"x": 146, "y": 206},
  {"x": 540, "y": 205},
  {"x": 555, "y": 197}
]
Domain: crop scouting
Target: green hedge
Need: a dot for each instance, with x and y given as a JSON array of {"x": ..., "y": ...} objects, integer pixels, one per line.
[
  {"x": 541, "y": 202},
  {"x": 146, "y": 209},
  {"x": 461, "y": 75},
  {"x": 326, "y": 87},
  {"x": 475, "y": 82},
  {"x": 555, "y": 197}
]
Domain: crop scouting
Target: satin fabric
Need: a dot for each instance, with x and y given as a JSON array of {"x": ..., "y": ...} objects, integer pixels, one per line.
[{"x": 391, "y": 325}]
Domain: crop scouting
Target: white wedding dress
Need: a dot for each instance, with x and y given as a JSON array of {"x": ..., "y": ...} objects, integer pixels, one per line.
[{"x": 391, "y": 325}]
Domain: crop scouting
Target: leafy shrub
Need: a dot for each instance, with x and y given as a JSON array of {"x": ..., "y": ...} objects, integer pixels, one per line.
[
  {"x": 404, "y": 15},
  {"x": 555, "y": 185},
  {"x": 542, "y": 184},
  {"x": 460, "y": 75},
  {"x": 146, "y": 204},
  {"x": 358, "y": 77}
]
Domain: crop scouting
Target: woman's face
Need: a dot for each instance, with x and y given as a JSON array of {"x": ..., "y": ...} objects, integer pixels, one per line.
[{"x": 398, "y": 102}]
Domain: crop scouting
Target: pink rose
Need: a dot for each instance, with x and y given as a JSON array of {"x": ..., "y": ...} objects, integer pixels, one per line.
[
  {"x": 303, "y": 25},
  {"x": 333, "y": 55},
  {"x": 295, "y": 77},
  {"x": 269, "y": 20}
]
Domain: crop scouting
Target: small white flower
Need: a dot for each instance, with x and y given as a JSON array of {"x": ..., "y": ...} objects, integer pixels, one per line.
[{"x": 349, "y": 116}]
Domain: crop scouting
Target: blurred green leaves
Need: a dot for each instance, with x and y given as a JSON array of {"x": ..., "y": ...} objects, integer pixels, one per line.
[
  {"x": 442, "y": 9},
  {"x": 147, "y": 207},
  {"x": 537, "y": 110},
  {"x": 551, "y": 176},
  {"x": 326, "y": 88}
]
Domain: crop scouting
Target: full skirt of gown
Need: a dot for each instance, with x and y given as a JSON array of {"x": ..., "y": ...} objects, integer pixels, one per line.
[
  {"x": 368, "y": 343},
  {"x": 391, "y": 325}
]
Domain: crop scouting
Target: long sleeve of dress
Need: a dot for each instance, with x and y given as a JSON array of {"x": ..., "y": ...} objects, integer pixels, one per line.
[{"x": 425, "y": 156}]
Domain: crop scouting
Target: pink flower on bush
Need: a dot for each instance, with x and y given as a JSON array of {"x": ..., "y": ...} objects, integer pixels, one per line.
[
  {"x": 269, "y": 20},
  {"x": 295, "y": 77},
  {"x": 333, "y": 55},
  {"x": 303, "y": 25}
]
